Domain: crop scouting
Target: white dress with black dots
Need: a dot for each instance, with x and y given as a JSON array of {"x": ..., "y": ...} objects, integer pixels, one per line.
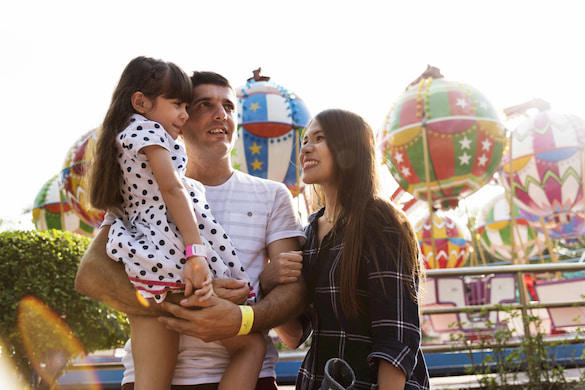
[{"x": 147, "y": 239}]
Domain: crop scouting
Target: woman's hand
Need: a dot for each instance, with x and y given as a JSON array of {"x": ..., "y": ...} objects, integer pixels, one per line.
[{"x": 285, "y": 268}]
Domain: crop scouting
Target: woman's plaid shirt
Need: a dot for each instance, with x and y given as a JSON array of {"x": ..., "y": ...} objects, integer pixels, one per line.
[{"x": 388, "y": 329}]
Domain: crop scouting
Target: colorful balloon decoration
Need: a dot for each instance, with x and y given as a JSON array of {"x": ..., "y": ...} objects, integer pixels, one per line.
[
  {"x": 72, "y": 181},
  {"x": 543, "y": 167},
  {"x": 495, "y": 228},
  {"x": 450, "y": 243},
  {"x": 460, "y": 130},
  {"x": 271, "y": 119},
  {"x": 570, "y": 231},
  {"x": 51, "y": 211}
]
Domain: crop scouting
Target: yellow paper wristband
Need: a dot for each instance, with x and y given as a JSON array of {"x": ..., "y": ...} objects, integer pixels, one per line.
[{"x": 247, "y": 319}]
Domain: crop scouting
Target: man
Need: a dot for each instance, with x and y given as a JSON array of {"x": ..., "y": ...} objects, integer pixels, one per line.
[{"x": 258, "y": 216}]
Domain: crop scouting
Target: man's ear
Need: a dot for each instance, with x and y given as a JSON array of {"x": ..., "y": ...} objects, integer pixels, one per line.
[{"x": 140, "y": 103}]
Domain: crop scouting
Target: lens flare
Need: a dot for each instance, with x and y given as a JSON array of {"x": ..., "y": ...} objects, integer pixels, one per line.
[
  {"x": 143, "y": 301},
  {"x": 8, "y": 377},
  {"x": 48, "y": 341}
]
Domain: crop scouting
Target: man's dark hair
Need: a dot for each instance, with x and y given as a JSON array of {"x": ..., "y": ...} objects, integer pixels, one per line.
[{"x": 206, "y": 77}]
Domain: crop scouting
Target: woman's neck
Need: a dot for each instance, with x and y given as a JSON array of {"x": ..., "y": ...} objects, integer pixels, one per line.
[{"x": 331, "y": 210}]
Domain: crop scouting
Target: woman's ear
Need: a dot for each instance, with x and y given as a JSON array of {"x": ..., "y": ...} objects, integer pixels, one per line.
[{"x": 140, "y": 103}]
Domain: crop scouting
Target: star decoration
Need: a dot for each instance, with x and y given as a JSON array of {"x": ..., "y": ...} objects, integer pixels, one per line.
[
  {"x": 482, "y": 160},
  {"x": 257, "y": 165},
  {"x": 255, "y": 106},
  {"x": 405, "y": 171},
  {"x": 237, "y": 166},
  {"x": 486, "y": 145},
  {"x": 465, "y": 142},
  {"x": 398, "y": 158},
  {"x": 255, "y": 149},
  {"x": 462, "y": 102},
  {"x": 464, "y": 159}
]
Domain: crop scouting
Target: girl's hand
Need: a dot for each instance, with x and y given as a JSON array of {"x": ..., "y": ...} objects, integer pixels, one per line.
[
  {"x": 197, "y": 275},
  {"x": 233, "y": 290},
  {"x": 206, "y": 290}
]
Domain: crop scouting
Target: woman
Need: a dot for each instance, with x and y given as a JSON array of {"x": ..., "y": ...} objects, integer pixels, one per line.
[{"x": 360, "y": 265}]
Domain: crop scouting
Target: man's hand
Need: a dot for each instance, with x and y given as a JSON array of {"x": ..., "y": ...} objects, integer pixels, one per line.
[
  {"x": 233, "y": 290},
  {"x": 219, "y": 319},
  {"x": 285, "y": 268}
]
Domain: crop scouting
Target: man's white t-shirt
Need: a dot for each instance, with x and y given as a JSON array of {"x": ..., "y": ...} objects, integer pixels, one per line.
[{"x": 254, "y": 212}]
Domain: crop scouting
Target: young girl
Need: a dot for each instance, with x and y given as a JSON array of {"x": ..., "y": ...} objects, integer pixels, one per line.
[{"x": 139, "y": 168}]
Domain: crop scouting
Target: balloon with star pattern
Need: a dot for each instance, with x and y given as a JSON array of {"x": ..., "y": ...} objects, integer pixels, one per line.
[
  {"x": 465, "y": 140},
  {"x": 271, "y": 119}
]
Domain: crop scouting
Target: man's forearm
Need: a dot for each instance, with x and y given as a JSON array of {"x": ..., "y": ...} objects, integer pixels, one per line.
[
  {"x": 220, "y": 318},
  {"x": 284, "y": 302},
  {"x": 105, "y": 280}
]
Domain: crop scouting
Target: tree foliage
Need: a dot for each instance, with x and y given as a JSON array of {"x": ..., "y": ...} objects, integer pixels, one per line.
[{"x": 37, "y": 273}]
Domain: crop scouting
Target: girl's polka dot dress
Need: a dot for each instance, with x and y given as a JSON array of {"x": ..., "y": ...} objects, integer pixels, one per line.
[{"x": 146, "y": 239}]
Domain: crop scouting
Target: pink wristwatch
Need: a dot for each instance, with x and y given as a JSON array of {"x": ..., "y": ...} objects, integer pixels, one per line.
[{"x": 195, "y": 250}]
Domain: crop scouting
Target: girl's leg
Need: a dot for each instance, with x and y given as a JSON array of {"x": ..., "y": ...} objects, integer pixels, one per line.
[
  {"x": 154, "y": 349},
  {"x": 247, "y": 353}
]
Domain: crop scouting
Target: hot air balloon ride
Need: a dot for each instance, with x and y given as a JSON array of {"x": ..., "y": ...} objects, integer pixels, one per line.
[
  {"x": 570, "y": 232},
  {"x": 72, "y": 181},
  {"x": 442, "y": 140},
  {"x": 502, "y": 238},
  {"x": 51, "y": 211},
  {"x": 544, "y": 166},
  {"x": 448, "y": 240},
  {"x": 271, "y": 119}
]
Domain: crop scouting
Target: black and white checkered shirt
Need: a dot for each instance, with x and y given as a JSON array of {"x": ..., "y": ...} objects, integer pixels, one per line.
[{"x": 388, "y": 329}]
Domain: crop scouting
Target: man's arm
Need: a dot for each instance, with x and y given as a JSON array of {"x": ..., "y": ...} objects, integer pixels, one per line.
[
  {"x": 101, "y": 278},
  {"x": 220, "y": 319},
  {"x": 286, "y": 268}
]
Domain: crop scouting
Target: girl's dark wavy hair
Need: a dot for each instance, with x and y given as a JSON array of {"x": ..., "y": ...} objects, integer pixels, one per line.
[
  {"x": 372, "y": 221},
  {"x": 153, "y": 78}
]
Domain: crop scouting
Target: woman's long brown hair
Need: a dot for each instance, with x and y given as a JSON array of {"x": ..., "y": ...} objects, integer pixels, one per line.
[{"x": 368, "y": 213}]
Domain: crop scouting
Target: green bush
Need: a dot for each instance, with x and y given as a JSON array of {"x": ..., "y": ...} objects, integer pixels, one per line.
[
  {"x": 505, "y": 355},
  {"x": 42, "y": 264}
]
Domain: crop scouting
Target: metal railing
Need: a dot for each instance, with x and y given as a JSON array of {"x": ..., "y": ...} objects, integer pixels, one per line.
[{"x": 523, "y": 304}]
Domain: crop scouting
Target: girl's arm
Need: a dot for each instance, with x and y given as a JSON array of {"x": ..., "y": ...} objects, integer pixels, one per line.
[{"x": 179, "y": 204}]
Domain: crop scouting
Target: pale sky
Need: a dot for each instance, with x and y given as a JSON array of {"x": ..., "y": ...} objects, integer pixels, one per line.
[{"x": 60, "y": 60}]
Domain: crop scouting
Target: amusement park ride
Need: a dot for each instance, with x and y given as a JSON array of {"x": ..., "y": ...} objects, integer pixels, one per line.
[{"x": 442, "y": 141}]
